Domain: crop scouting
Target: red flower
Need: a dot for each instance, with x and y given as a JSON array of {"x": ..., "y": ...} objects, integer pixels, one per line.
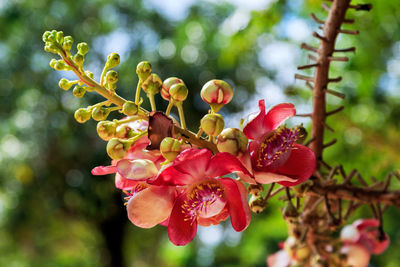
[
  {"x": 203, "y": 199},
  {"x": 275, "y": 157}
]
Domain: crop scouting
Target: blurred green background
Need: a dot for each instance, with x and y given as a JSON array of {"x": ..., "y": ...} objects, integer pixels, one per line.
[{"x": 53, "y": 212}]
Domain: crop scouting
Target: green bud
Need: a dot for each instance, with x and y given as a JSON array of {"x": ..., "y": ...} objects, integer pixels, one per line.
[
  {"x": 100, "y": 113},
  {"x": 152, "y": 84},
  {"x": 60, "y": 37},
  {"x": 79, "y": 91},
  {"x": 83, "y": 48},
  {"x": 143, "y": 70},
  {"x": 89, "y": 74},
  {"x": 232, "y": 140},
  {"x": 117, "y": 148},
  {"x": 124, "y": 131},
  {"x": 82, "y": 115},
  {"x": 65, "y": 84},
  {"x": 79, "y": 59},
  {"x": 59, "y": 65},
  {"x": 166, "y": 86},
  {"x": 67, "y": 44},
  {"x": 106, "y": 129},
  {"x": 45, "y": 36},
  {"x": 170, "y": 148},
  {"x": 112, "y": 60},
  {"x": 212, "y": 124},
  {"x": 51, "y": 47},
  {"x": 257, "y": 204},
  {"x": 51, "y": 37},
  {"x": 129, "y": 108},
  {"x": 53, "y": 63},
  {"x": 217, "y": 93},
  {"x": 111, "y": 77},
  {"x": 179, "y": 92}
]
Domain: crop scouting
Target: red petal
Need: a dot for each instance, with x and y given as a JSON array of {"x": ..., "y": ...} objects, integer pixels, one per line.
[
  {"x": 269, "y": 177},
  {"x": 123, "y": 183},
  {"x": 103, "y": 170},
  {"x": 180, "y": 231},
  {"x": 300, "y": 165},
  {"x": 151, "y": 206},
  {"x": 171, "y": 176},
  {"x": 193, "y": 161},
  {"x": 224, "y": 163},
  {"x": 238, "y": 207},
  {"x": 364, "y": 224},
  {"x": 278, "y": 114},
  {"x": 256, "y": 128}
]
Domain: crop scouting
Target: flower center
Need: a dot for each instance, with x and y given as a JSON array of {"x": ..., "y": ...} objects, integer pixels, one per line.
[
  {"x": 204, "y": 199},
  {"x": 275, "y": 147}
]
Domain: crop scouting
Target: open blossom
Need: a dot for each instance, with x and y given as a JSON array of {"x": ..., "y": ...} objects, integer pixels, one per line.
[
  {"x": 273, "y": 154},
  {"x": 204, "y": 198}
]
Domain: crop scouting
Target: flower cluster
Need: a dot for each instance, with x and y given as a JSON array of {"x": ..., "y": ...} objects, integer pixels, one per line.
[{"x": 170, "y": 175}]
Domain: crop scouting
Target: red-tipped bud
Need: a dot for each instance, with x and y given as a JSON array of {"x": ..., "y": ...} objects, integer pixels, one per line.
[
  {"x": 166, "y": 86},
  {"x": 170, "y": 148},
  {"x": 179, "y": 92},
  {"x": 232, "y": 140},
  {"x": 216, "y": 93}
]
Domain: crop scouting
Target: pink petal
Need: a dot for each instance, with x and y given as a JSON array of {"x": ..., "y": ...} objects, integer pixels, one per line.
[
  {"x": 181, "y": 231},
  {"x": 139, "y": 169},
  {"x": 171, "y": 176},
  {"x": 123, "y": 183},
  {"x": 224, "y": 163},
  {"x": 357, "y": 255},
  {"x": 256, "y": 128},
  {"x": 364, "y": 224},
  {"x": 269, "y": 177},
  {"x": 193, "y": 161},
  {"x": 278, "y": 114},
  {"x": 151, "y": 206},
  {"x": 103, "y": 170},
  {"x": 279, "y": 259},
  {"x": 380, "y": 245},
  {"x": 300, "y": 165},
  {"x": 238, "y": 207}
]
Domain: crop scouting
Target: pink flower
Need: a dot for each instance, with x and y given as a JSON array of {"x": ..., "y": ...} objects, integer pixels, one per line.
[
  {"x": 274, "y": 155},
  {"x": 279, "y": 259},
  {"x": 204, "y": 199}
]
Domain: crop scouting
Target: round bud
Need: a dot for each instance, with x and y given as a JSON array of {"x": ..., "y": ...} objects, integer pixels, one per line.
[
  {"x": 52, "y": 36},
  {"x": 106, "y": 129},
  {"x": 79, "y": 91},
  {"x": 232, "y": 140},
  {"x": 79, "y": 59},
  {"x": 255, "y": 189},
  {"x": 59, "y": 65},
  {"x": 216, "y": 93},
  {"x": 67, "y": 44},
  {"x": 124, "y": 131},
  {"x": 82, "y": 115},
  {"x": 143, "y": 70},
  {"x": 53, "y": 63},
  {"x": 64, "y": 84},
  {"x": 212, "y": 124},
  {"x": 152, "y": 84},
  {"x": 83, "y": 48},
  {"x": 112, "y": 60},
  {"x": 166, "y": 86},
  {"x": 179, "y": 92},
  {"x": 100, "y": 113},
  {"x": 89, "y": 74},
  {"x": 117, "y": 148},
  {"x": 170, "y": 148},
  {"x": 60, "y": 37},
  {"x": 111, "y": 76},
  {"x": 45, "y": 36},
  {"x": 129, "y": 108},
  {"x": 257, "y": 204}
]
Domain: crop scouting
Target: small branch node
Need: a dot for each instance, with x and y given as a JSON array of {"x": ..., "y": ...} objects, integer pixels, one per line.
[
  {"x": 335, "y": 111},
  {"x": 311, "y": 57},
  {"x": 329, "y": 128},
  {"x": 309, "y": 85},
  {"x": 335, "y": 93},
  {"x": 330, "y": 143},
  {"x": 308, "y": 66},
  {"x": 348, "y": 21},
  {"x": 303, "y": 77},
  {"x": 361, "y": 7},
  {"x": 344, "y": 59},
  {"x": 317, "y": 20},
  {"x": 326, "y": 7},
  {"x": 335, "y": 80},
  {"x": 310, "y": 141},
  {"x": 353, "y": 32},
  {"x": 318, "y": 36},
  {"x": 308, "y": 47},
  {"x": 304, "y": 115},
  {"x": 350, "y": 49}
]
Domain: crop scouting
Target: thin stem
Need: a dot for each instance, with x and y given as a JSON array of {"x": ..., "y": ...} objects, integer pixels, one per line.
[
  {"x": 181, "y": 114},
  {"x": 152, "y": 102},
  {"x": 103, "y": 73},
  {"x": 137, "y": 96},
  {"x": 170, "y": 105}
]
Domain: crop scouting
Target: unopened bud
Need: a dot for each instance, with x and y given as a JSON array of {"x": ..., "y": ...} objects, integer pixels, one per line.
[
  {"x": 166, "y": 86},
  {"x": 60, "y": 37},
  {"x": 143, "y": 70},
  {"x": 112, "y": 60},
  {"x": 67, "y": 44},
  {"x": 100, "y": 113},
  {"x": 79, "y": 91},
  {"x": 83, "y": 48},
  {"x": 111, "y": 77},
  {"x": 124, "y": 131},
  {"x": 179, "y": 92},
  {"x": 212, "y": 124},
  {"x": 89, "y": 74},
  {"x": 255, "y": 189},
  {"x": 216, "y": 93},
  {"x": 289, "y": 211},
  {"x": 78, "y": 59},
  {"x": 129, "y": 108},
  {"x": 65, "y": 84},
  {"x": 257, "y": 204},
  {"x": 232, "y": 140},
  {"x": 59, "y": 65},
  {"x": 106, "y": 129},
  {"x": 117, "y": 148},
  {"x": 170, "y": 148},
  {"x": 82, "y": 115},
  {"x": 53, "y": 63},
  {"x": 152, "y": 84},
  {"x": 45, "y": 36}
]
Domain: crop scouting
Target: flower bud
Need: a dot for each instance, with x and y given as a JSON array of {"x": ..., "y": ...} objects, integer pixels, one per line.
[
  {"x": 89, "y": 74},
  {"x": 51, "y": 47},
  {"x": 117, "y": 148},
  {"x": 289, "y": 211},
  {"x": 82, "y": 115},
  {"x": 170, "y": 148},
  {"x": 255, "y": 189},
  {"x": 106, "y": 129},
  {"x": 60, "y": 37},
  {"x": 212, "y": 124},
  {"x": 100, "y": 113},
  {"x": 79, "y": 91},
  {"x": 83, "y": 48},
  {"x": 129, "y": 108},
  {"x": 67, "y": 44},
  {"x": 124, "y": 131},
  {"x": 216, "y": 93},
  {"x": 232, "y": 140},
  {"x": 179, "y": 92},
  {"x": 112, "y": 60},
  {"x": 143, "y": 70},
  {"x": 111, "y": 77},
  {"x": 45, "y": 36},
  {"x": 53, "y": 63},
  {"x": 257, "y": 204},
  {"x": 51, "y": 36},
  {"x": 152, "y": 84},
  {"x": 59, "y": 65},
  {"x": 166, "y": 86},
  {"x": 78, "y": 59},
  {"x": 65, "y": 84}
]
